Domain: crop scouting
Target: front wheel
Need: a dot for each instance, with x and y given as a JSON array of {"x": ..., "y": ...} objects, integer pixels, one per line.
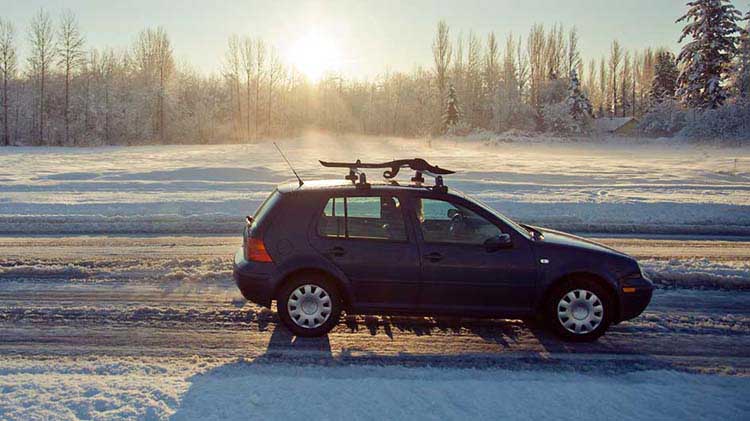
[
  {"x": 309, "y": 305},
  {"x": 579, "y": 310}
]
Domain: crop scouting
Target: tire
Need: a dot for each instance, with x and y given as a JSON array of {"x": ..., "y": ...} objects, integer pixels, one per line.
[
  {"x": 309, "y": 305},
  {"x": 579, "y": 310}
]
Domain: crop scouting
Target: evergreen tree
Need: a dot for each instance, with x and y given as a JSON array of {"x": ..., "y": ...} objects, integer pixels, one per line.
[
  {"x": 741, "y": 77},
  {"x": 452, "y": 110},
  {"x": 712, "y": 25},
  {"x": 664, "y": 84},
  {"x": 580, "y": 106}
]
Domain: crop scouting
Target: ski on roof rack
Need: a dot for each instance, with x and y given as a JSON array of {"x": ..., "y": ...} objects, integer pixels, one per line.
[{"x": 419, "y": 165}]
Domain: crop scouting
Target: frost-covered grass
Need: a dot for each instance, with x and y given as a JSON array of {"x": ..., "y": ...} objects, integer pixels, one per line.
[
  {"x": 611, "y": 185},
  {"x": 207, "y": 389}
]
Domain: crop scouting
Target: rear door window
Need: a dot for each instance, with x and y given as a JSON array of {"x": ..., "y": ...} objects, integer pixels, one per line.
[{"x": 365, "y": 217}]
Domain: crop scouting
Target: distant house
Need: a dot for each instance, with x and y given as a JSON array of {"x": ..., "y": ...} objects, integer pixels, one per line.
[{"x": 624, "y": 126}]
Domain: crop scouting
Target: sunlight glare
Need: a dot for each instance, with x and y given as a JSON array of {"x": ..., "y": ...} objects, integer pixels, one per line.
[{"x": 315, "y": 54}]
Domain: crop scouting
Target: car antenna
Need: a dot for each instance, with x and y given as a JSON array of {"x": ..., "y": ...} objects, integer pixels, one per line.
[{"x": 290, "y": 164}]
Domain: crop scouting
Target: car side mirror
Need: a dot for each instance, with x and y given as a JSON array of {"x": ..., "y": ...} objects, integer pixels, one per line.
[
  {"x": 451, "y": 213},
  {"x": 498, "y": 242}
]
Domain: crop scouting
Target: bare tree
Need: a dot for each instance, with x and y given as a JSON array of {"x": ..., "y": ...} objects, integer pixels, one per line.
[
  {"x": 603, "y": 92},
  {"x": 590, "y": 84},
  {"x": 491, "y": 73},
  {"x": 442, "y": 53},
  {"x": 646, "y": 76},
  {"x": 458, "y": 70},
  {"x": 42, "y": 37},
  {"x": 492, "y": 63},
  {"x": 260, "y": 70},
  {"x": 555, "y": 52},
  {"x": 573, "y": 55},
  {"x": 615, "y": 58},
  {"x": 102, "y": 66},
  {"x": 535, "y": 45},
  {"x": 626, "y": 78},
  {"x": 248, "y": 65},
  {"x": 636, "y": 83},
  {"x": 275, "y": 71},
  {"x": 232, "y": 65},
  {"x": 473, "y": 79},
  {"x": 70, "y": 57},
  {"x": 8, "y": 70},
  {"x": 154, "y": 57},
  {"x": 522, "y": 68}
]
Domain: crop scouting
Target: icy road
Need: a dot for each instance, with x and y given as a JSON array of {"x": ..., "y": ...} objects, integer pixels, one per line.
[{"x": 109, "y": 327}]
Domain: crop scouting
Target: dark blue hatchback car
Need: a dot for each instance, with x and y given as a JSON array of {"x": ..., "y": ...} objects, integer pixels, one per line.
[{"x": 324, "y": 247}]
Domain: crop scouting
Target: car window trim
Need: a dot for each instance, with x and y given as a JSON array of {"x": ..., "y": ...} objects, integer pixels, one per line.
[{"x": 330, "y": 196}]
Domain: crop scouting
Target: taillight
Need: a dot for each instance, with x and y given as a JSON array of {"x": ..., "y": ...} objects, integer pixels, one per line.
[{"x": 256, "y": 251}]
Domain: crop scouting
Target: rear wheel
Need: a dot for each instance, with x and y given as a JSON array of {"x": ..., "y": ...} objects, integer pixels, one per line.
[
  {"x": 579, "y": 310},
  {"x": 309, "y": 305}
]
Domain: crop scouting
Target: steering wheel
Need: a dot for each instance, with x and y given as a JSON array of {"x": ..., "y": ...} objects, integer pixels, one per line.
[{"x": 458, "y": 224}]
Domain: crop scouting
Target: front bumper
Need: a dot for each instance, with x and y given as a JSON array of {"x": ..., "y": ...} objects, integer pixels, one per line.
[
  {"x": 635, "y": 296},
  {"x": 253, "y": 279}
]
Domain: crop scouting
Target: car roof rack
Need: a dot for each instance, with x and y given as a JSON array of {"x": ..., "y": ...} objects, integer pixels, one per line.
[{"x": 418, "y": 165}]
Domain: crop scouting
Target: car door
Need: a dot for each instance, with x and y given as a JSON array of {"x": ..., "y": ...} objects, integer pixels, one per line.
[
  {"x": 463, "y": 269},
  {"x": 367, "y": 237}
]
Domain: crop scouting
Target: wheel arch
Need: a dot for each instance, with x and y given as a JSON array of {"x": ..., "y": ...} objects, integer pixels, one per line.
[
  {"x": 342, "y": 286},
  {"x": 582, "y": 275}
]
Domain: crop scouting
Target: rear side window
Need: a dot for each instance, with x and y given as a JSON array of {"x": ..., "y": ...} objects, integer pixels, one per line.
[{"x": 371, "y": 217}]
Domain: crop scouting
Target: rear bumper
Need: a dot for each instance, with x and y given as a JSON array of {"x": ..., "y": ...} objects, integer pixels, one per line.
[
  {"x": 633, "y": 303},
  {"x": 253, "y": 279}
]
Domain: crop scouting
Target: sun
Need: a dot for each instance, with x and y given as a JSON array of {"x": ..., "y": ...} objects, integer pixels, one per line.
[{"x": 315, "y": 54}]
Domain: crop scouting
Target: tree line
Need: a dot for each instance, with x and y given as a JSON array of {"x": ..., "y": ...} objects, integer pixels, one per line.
[{"x": 66, "y": 93}]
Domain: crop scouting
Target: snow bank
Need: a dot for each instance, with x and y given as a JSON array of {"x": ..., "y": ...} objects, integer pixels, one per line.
[
  {"x": 698, "y": 273},
  {"x": 207, "y": 389},
  {"x": 615, "y": 185}
]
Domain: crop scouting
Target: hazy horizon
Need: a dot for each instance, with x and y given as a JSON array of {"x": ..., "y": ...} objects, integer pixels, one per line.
[{"x": 363, "y": 39}]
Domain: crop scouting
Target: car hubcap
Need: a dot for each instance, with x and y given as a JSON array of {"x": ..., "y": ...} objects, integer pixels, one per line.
[
  {"x": 580, "y": 311},
  {"x": 309, "y": 306}
]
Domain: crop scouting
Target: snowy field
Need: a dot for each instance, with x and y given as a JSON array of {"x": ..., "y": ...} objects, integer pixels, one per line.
[{"x": 614, "y": 186}]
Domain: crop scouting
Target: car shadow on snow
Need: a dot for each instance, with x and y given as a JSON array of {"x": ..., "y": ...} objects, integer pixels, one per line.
[
  {"x": 512, "y": 341},
  {"x": 252, "y": 388}
]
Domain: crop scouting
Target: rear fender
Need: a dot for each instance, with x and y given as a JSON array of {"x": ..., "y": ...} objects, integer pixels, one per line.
[{"x": 317, "y": 263}]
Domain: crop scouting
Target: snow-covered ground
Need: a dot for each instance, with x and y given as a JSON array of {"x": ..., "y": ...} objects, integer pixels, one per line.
[
  {"x": 210, "y": 389},
  {"x": 152, "y": 327},
  {"x": 616, "y": 185}
]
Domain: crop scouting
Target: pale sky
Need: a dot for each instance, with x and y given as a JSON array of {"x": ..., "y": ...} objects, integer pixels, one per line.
[{"x": 367, "y": 37}]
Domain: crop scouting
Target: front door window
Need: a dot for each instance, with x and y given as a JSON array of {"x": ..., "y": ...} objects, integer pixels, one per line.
[{"x": 445, "y": 222}]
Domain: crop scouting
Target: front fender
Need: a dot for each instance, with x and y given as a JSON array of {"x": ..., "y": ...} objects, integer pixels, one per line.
[{"x": 553, "y": 273}]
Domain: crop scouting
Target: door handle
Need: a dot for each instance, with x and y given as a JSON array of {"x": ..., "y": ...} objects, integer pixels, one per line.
[
  {"x": 433, "y": 257},
  {"x": 336, "y": 251}
]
